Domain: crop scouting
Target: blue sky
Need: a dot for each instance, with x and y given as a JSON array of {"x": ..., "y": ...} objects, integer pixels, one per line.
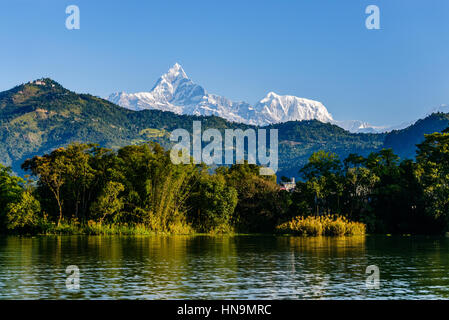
[{"x": 242, "y": 49}]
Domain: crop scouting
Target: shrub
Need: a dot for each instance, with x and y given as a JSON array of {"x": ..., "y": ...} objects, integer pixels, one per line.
[
  {"x": 328, "y": 225},
  {"x": 335, "y": 227},
  {"x": 309, "y": 226},
  {"x": 355, "y": 228}
]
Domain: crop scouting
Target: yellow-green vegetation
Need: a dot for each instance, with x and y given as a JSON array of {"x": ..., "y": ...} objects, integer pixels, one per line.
[
  {"x": 328, "y": 225},
  {"x": 74, "y": 227},
  {"x": 27, "y": 92},
  {"x": 152, "y": 133}
]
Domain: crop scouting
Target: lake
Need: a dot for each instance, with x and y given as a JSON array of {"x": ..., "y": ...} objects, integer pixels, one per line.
[{"x": 223, "y": 267}]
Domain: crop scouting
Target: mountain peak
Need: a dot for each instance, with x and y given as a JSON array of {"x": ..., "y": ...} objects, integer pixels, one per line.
[
  {"x": 176, "y": 66},
  {"x": 176, "y": 72},
  {"x": 276, "y": 108},
  {"x": 177, "y": 93},
  {"x": 272, "y": 94},
  {"x": 38, "y": 86},
  {"x": 44, "y": 82}
]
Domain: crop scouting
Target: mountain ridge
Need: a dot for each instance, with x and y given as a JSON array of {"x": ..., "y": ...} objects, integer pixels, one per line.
[
  {"x": 41, "y": 115},
  {"x": 174, "y": 91}
]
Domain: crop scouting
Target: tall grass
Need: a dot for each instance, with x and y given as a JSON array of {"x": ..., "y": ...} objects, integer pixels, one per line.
[
  {"x": 167, "y": 194},
  {"x": 97, "y": 228},
  {"x": 328, "y": 225}
]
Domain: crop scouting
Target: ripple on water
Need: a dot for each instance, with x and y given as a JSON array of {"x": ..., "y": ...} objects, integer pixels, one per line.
[{"x": 242, "y": 267}]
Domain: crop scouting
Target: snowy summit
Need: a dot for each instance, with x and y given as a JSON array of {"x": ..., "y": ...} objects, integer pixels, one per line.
[{"x": 175, "y": 92}]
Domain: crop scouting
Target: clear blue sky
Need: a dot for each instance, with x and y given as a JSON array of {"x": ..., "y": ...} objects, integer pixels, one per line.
[{"x": 241, "y": 49}]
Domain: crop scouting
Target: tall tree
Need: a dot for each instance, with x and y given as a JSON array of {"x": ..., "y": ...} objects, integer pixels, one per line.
[
  {"x": 433, "y": 161},
  {"x": 323, "y": 176},
  {"x": 11, "y": 188},
  {"x": 51, "y": 172}
]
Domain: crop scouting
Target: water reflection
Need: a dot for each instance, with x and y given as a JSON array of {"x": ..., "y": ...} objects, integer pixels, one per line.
[{"x": 205, "y": 267}]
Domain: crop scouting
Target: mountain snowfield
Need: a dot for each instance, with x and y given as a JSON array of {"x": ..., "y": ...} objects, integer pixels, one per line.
[{"x": 175, "y": 92}]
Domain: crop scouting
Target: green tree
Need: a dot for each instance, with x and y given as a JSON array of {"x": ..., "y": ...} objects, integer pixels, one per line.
[
  {"x": 108, "y": 203},
  {"x": 359, "y": 187},
  {"x": 11, "y": 188},
  {"x": 50, "y": 170},
  {"x": 385, "y": 165},
  {"x": 78, "y": 177},
  {"x": 24, "y": 213},
  {"x": 212, "y": 203},
  {"x": 433, "y": 172},
  {"x": 259, "y": 208},
  {"x": 323, "y": 176}
]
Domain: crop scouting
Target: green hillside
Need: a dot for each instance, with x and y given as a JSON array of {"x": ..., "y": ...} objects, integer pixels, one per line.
[
  {"x": 37, "y": 118},
  {"x": 299, "y": 139}
]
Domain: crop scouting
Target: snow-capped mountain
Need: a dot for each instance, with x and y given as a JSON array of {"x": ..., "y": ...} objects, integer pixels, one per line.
[
  {"x": 170, "y": 93},
  {"x": 360, "y": 126},
  {"x": 175, "y": 92},
  {"x": 275, "y": 108}
]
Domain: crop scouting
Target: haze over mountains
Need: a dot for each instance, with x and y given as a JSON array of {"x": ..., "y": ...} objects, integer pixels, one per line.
[{"x": 176, "y": 92}]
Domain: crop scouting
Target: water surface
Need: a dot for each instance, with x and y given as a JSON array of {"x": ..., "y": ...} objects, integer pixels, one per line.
[{"x": 240, "y": 267}]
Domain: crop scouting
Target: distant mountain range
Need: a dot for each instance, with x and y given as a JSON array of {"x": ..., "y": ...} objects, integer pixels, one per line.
[
  {"x": 175, "y": 92},
  {"x": 39, "y": 116}
]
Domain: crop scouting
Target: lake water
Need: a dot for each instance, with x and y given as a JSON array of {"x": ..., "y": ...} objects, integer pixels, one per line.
[{"x": 240, "y": 267}]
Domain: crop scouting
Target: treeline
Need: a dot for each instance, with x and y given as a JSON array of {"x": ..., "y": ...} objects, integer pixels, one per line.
[
  {"x": 388, "y": 195},
  {"x": 88, "y": 189}
]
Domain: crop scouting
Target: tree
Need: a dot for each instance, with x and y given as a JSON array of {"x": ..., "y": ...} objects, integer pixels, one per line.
[
  {"x": 385, "y": 165},
  {"x": 50, "y": 169},
  {"x": 212, "y": 203},
  {"x": 359, "y": 188},
  {"x": 433, "y": 172},
  {"x": 11, "y": 188},
  {"x": 78, "y": 177},
  {"x": 324, "y": 179},
  {"x": 68, "y": 176},
  {"x": 23, "y": 214},
  {"x": 108, "y": 203},
  {"x": 259, "y": 207}
]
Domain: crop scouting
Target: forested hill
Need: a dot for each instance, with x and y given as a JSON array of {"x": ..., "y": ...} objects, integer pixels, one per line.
[
  {"x": 40, "y": 116},
  {"x": 299, "y": 139},
  {"x": 404, "y": 141}
]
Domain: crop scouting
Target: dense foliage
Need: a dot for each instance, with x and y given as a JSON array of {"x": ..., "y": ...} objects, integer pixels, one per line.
[
  {"x": 137, "y": 186},
  {"x": 87, "y": 188},
  {"x": 388, "y": 195}
]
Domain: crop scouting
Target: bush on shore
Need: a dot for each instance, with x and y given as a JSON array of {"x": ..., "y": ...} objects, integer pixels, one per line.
[{"x": 328, "y": 225}]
